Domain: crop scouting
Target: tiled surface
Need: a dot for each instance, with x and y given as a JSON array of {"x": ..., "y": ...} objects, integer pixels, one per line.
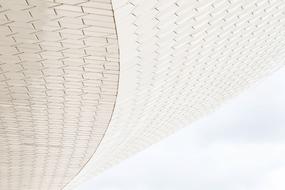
[
  {"x": 180, "y": 59},
  {"x": 58, "y": 84},
  {"x": 59, "y": 71}
]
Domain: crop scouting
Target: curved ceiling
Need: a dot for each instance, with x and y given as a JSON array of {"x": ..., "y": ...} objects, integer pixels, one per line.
[
  {"x": 179, "y": 60},
  {"x": 59, "y": 68},
  {"x": 59, "y": 73}
]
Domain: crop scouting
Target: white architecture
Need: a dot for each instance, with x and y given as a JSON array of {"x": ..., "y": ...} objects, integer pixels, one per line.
[{"x": 88, "y": 83}]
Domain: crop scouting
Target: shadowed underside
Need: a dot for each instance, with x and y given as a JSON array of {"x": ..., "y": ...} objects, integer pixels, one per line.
[{"x": 58, "y": 84}]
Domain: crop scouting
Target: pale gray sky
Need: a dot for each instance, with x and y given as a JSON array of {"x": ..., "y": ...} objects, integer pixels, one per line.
[{"x": 241, "y": 146}]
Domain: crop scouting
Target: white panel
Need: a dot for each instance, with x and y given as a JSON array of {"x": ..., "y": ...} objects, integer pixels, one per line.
[
  {"x": 179, "y": 60},
  {"x": 58, "y": 84}
]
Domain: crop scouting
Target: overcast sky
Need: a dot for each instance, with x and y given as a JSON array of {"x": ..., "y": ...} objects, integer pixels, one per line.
[{"x": 241, "y": 146}]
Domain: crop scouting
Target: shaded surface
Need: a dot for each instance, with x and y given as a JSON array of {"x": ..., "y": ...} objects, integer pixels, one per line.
[{"x": 59, "y": 74}]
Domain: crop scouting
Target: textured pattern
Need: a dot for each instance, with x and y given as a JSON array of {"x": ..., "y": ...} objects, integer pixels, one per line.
[
  {"x": 179, "y": 59},
  {"x": 58, "y": 84}
]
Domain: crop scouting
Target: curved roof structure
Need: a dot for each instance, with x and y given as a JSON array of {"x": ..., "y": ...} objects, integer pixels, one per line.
[
  {"x": 87, "y": 83},
  {"x": 59, "y": 71}
]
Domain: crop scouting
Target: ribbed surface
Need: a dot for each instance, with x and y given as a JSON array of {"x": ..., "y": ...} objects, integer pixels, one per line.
[
  {"x": 179, "y": 59},
  {"x": 58, "y": 84}
]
